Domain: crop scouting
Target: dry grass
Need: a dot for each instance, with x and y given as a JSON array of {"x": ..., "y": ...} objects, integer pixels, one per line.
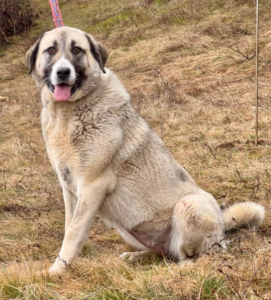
[{"x": 187, "y": 67}]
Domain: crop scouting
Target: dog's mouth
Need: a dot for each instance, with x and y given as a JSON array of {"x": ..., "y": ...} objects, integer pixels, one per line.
[{"x": 63, "y": 91}]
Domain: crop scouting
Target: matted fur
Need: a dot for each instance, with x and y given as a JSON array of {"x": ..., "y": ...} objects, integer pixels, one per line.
[{"x": 110, "y": 163}]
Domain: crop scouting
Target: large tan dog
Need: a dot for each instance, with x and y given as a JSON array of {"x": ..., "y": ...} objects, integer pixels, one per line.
[{"x": 110, "y": 163}]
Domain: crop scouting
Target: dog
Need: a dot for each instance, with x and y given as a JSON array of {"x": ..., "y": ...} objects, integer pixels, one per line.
[{"x": 110, "y": 163}]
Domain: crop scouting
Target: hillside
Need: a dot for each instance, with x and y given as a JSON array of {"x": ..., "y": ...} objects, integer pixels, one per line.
[{"x": 190, "y": 69}]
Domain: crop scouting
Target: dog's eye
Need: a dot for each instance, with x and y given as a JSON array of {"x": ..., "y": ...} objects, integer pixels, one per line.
[
  {"x": 51, "y": 50},
  {"x": 76, "y": 50}
]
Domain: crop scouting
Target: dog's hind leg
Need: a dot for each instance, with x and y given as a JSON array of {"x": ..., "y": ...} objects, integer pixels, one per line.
[
  {"x": 197, "y": 225},
  {"x": 133, "y": 256},
  {"x": 131, "y": 240}
]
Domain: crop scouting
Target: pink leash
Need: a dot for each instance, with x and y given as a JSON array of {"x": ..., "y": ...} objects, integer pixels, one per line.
[{"x": 56, "y": 13}]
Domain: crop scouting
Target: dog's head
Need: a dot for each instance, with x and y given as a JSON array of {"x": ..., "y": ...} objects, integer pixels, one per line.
[{"x": 68, "y": 62}]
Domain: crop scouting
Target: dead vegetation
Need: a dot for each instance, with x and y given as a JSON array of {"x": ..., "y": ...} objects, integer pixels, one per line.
[
  {"x": 16, "y": 18},
  {"x": 189, "y": 67}
]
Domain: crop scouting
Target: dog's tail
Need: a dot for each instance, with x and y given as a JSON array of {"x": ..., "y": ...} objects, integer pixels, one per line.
[{"x": 243, "y": 215}]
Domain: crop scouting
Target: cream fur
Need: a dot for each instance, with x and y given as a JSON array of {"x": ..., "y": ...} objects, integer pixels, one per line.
[
  {"x": 110, "y": 163},
  {"x": 243, "y": 215}
]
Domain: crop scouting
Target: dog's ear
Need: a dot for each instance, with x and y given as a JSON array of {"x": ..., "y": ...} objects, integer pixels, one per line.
[
  {"x": 31, "y": 56},
  {"x": 98, "y": 51}
]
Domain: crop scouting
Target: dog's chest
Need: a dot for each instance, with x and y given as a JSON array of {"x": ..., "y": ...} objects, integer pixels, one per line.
[
  {"x": 57, "y": 132},
  {"x": 71, "y": 136}
]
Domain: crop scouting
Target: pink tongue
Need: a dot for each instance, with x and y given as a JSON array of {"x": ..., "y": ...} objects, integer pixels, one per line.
[{"x": 62, "y": 92}]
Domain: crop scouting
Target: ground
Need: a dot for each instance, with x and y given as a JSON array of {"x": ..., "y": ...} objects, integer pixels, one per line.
[{"x": 190, "y": 69}]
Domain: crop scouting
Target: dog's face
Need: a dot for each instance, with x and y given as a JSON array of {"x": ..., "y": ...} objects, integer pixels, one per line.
[{"x": 67, "y": 62}]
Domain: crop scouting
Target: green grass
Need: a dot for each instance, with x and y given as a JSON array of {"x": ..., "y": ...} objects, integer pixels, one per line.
[{"x": 214, "y": 288}]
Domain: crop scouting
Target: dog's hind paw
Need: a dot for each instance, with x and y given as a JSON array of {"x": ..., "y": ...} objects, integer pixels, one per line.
[
  {"x": 186, "y": 262},
  {"x": 134, "y": 256}
]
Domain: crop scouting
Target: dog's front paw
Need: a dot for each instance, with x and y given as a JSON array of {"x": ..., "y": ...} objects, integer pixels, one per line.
[
  {"x": 58, "y": 267},
  {"x": 56, "y": 270},
  {"x": 53, "y": 271},
  {"x": 43, "y": 273}
]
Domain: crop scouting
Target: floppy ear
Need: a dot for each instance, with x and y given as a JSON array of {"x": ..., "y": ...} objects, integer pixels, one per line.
[
  {"x": 98, "y": 51},
  {"x": 31, "y": 56}
]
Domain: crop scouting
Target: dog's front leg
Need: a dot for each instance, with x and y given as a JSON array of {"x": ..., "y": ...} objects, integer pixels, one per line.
[
  {"x": 70, "y": 205},
  {"x": 90, "y": 197}
]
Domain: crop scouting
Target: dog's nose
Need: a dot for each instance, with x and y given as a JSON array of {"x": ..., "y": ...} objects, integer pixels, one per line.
[{"x": 63, "y": 73}]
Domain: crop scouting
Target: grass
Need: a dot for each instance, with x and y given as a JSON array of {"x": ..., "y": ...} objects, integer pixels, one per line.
[{"x": 184, "y": 65}]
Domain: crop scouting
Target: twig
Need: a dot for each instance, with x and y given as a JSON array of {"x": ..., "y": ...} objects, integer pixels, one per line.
[
  {"x": 9, "y": 42},
  {"x": 257, "y": 186},
  {"x": 4, "y": 36},
  {"x": 237, "y": 235},
  {"x": 227, "y": 277},
  {"x": 95, "y": 293},
  {"x": 219, "y": 268},
  {"x": 33, "y": 149},
  {"x": 255, "y": 292},
  {"x": 257, "y": 98},
  {"x": 245, "y": 232},
  {"x": 135, "y": 298},
  {"x": 235, "y": 291},
  {"x": 208, "y": 146},
  {"x": 238, "y": 80},
  {"x": 254, "y": 274},
  {"x": 245, "y": 56},
  {"x": 239, "y": 175}
]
